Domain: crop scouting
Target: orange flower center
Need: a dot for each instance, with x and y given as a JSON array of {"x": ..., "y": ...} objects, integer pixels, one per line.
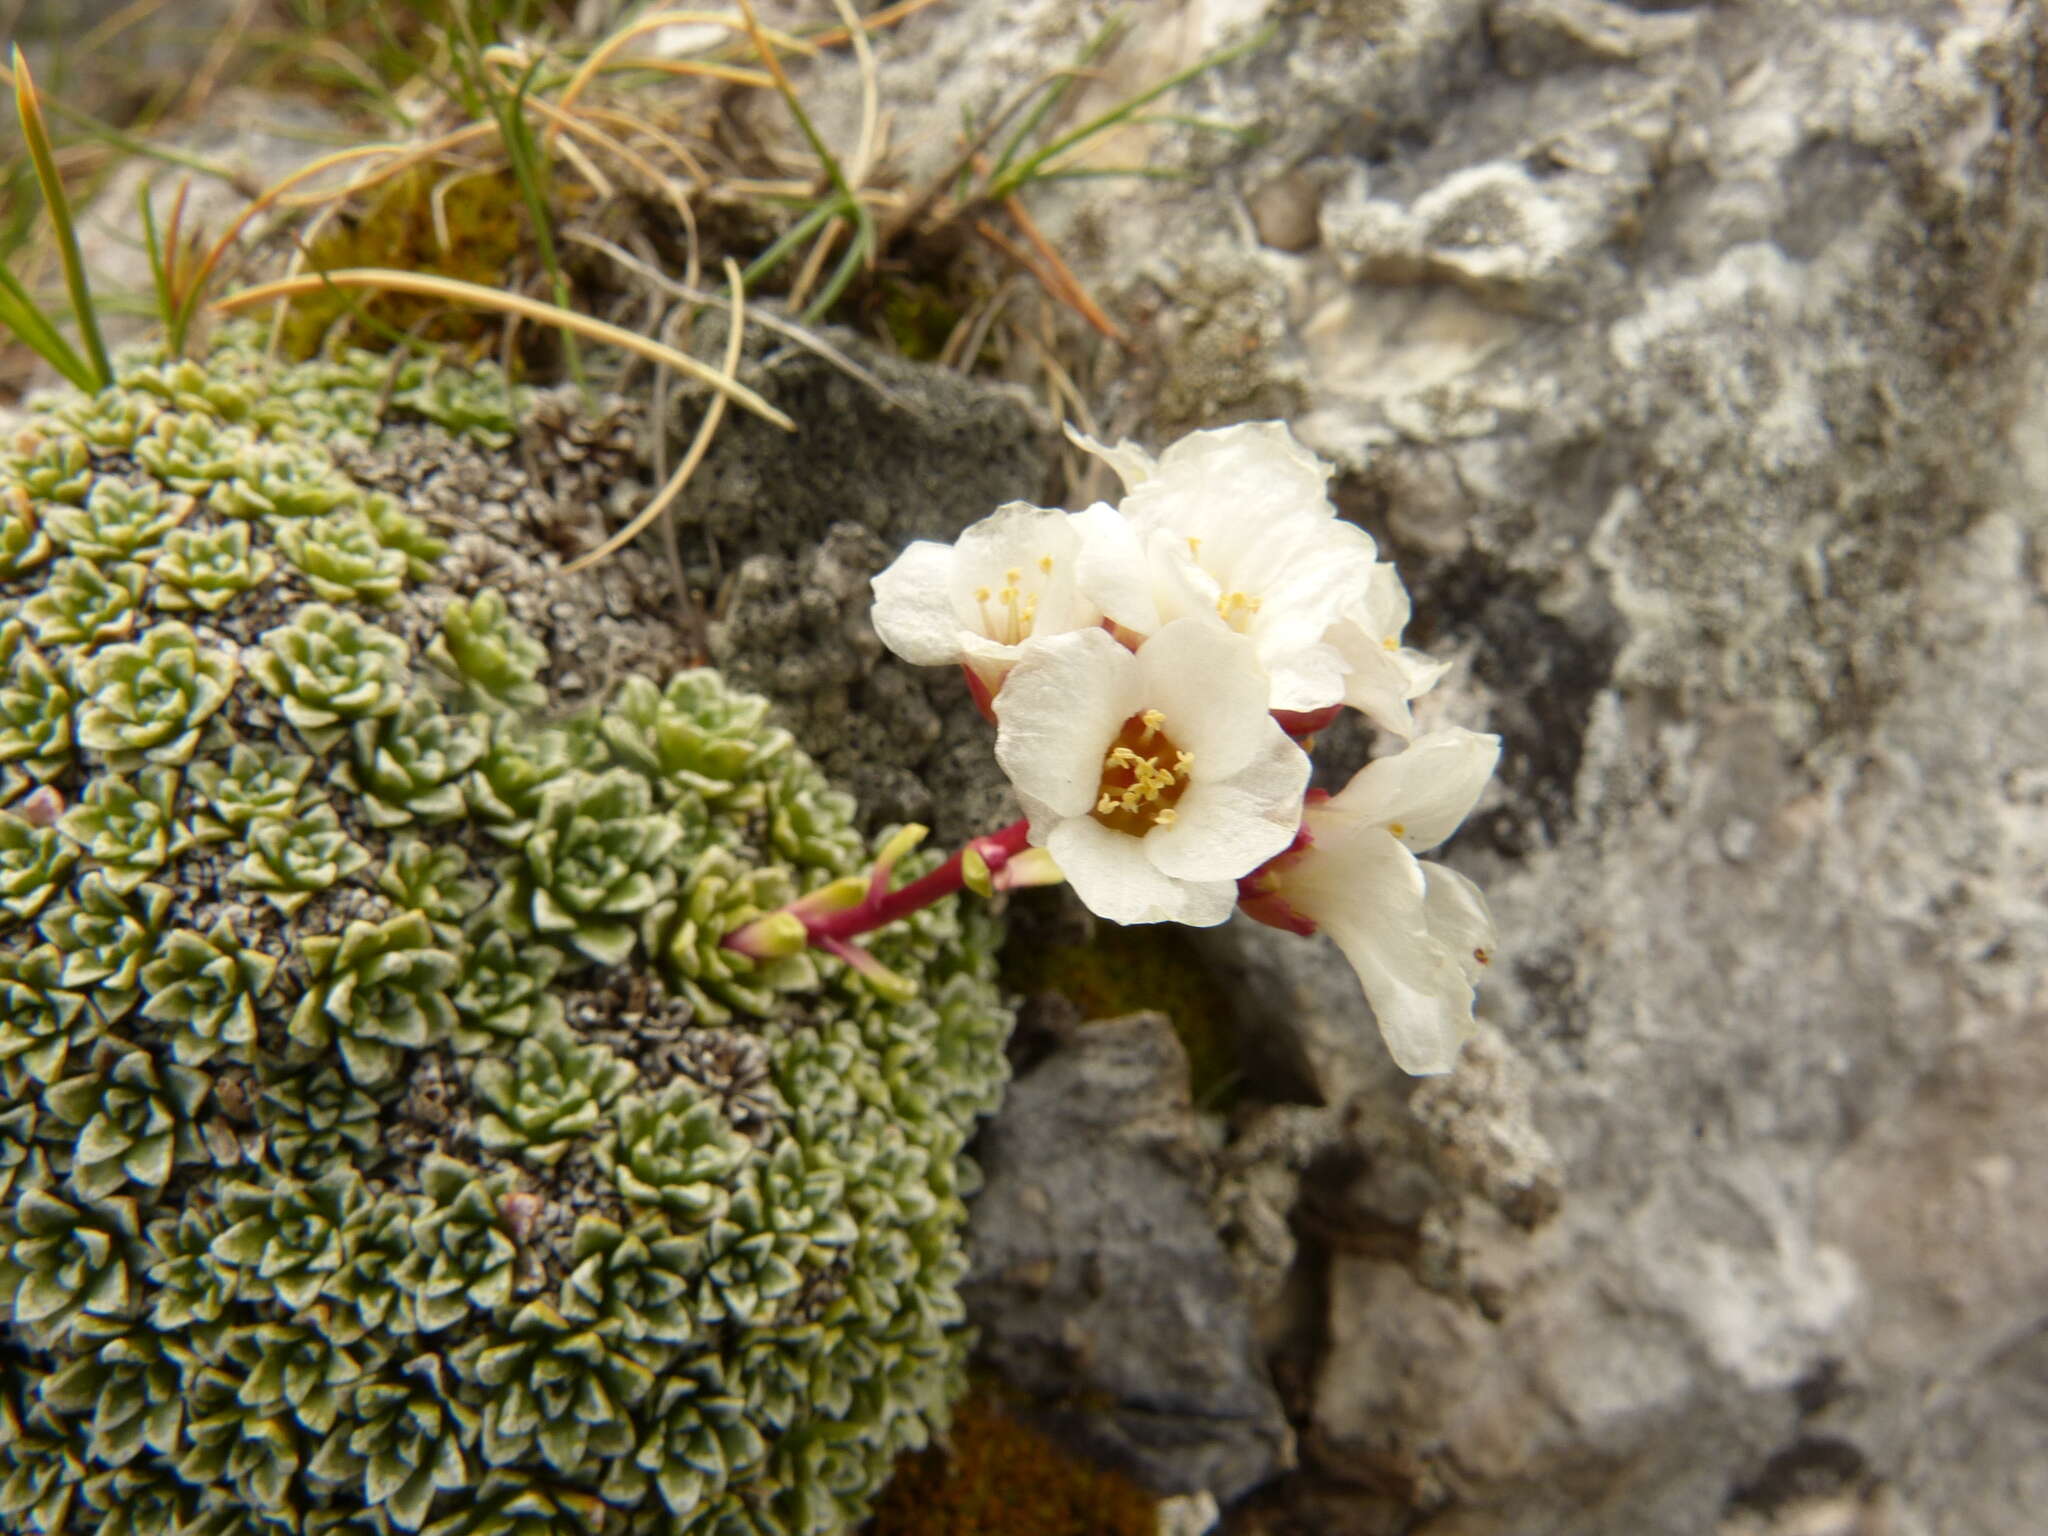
[{"x": 1143, "y": 777}]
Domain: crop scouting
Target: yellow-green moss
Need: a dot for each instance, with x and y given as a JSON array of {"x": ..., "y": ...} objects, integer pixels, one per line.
[
  {"x": 486, "y": 226},
  {"x": 997, "y": 1476},
  {"x": 1124, "y": 970}
]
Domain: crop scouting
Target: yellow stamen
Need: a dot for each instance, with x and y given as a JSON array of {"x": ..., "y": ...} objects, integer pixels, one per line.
[
  {"x": 1045, "y": 564},
  {"x": 1397, "y": 829}
]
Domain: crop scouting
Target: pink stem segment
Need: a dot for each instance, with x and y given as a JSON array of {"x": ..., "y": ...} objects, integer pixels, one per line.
[{"x": 881, "y": 908}]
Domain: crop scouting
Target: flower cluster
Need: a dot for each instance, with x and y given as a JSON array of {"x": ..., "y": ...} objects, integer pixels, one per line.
[{"x": 1155, "y": 671}]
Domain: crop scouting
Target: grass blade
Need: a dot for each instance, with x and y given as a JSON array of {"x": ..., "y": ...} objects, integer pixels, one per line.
[
  {"x": 29, "y": 105},
  {"x": 456, "y": 291},
  {"x": 1053, "y": 90},
  {"x": 20, "y": 313},
  {"x": 1002, "y": 186},
  {"x": 699, "y": 444}
]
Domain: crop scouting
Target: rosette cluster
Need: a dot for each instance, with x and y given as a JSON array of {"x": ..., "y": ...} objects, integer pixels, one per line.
[{"x": 1155, "y": 670}]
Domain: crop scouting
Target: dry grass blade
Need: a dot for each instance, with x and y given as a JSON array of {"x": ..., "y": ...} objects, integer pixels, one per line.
[
  {"x": 455, "y": 291},
  {"x": 1056, "y": 281},
  {"x": 768, "y": 320},
  {"x": 870, "y": 93},
  {"x": 887, "y": 16},
  {"x": 700, "y": 444},
  {"x": 1069, "y": 286},
  {"x": 606, "y": 53}
]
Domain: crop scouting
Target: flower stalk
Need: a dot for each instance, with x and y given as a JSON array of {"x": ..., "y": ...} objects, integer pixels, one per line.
[{"x": 834, "y": 915}]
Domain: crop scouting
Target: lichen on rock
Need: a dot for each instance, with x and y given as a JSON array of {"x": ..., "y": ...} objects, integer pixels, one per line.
[{"x": 386, "y": 1144}]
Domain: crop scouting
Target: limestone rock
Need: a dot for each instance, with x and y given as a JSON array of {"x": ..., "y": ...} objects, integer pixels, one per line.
[
  {"x": 1099, "y": 1283},
  {"x": 1687, "y": 360}
]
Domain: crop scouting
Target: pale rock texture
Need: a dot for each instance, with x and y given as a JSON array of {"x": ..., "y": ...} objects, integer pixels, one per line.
[{"x": 1687, "y": 360}]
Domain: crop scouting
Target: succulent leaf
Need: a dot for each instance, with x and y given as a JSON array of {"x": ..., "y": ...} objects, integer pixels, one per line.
[
  {"x": 41, "y": 1021},
  {"x": 289, "y": 860},
  {"x": 285, "y": 1236},
  {"x": 36, "y": 702},
  {"x": 485, "y": 649},
  {"x": 684, "y": 933},
  {"x": 254, "y": 782},
  {"x": 34, "y": 859},
  {"x": 465, "y": 1252},
  {"x": 505, "y": 992},
  {"x": 410, "y": 765},
  {"x": 68, "y": 1263},
  {"x": 436, "y": 881},
  {"x": 598, "y": 856},
  {"x": 695, "y": 734},
  {"x": 406, "y": 1438},
  {"x": 194, "y": 452},
  {"x": 317, "y": 1117},
  {"x": 130, "y": 829},
  {"x": 203, "y": 988},
  {"x": 50, "y": 466},
  {"x": 81, "y": 603},
  {"x": 552, "y": 1094},
  {"x": 121, "y": 520},
  {"x": 23, "y": 543},
  {"x": 208, "y": 568},
  {"x": 151, "y": 698},
  {"x": 562, "y": 1388},
  {"x": 675, "y": 1150},
  {"x": 328, "y": 667},
  {"x": 376, "y": 991},
  {"x": 131, "y": 1120},
  {"x": 342, "y": 559}
]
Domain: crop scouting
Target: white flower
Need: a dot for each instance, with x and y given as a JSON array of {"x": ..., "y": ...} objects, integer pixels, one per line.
[
  {"x": 1010, "y": 576},
  {"x": 1155, "y": 779},
  {"x": 1418, "y": 934},
  {"x": 1381, "y": 675},
  {"x": 1232, "y": 525}
]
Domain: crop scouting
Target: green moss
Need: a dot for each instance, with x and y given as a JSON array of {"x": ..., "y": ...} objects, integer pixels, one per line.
[{"x": 386, "y": 1141}]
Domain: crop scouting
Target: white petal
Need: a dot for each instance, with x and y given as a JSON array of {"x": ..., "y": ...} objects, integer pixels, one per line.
[
  {"x": 1418, "y": 993},
  {"x": 1182, "y": 587},
  {"x": 1306, "y": 572},
  {"x": 913, "y": 610},
  {"x": 1110, "y": 873},
  {"x": 1422, "y": 792},
  {"x": 1226, "y": 828},
  {"x": 1030, "y": 552},
  {"x": 1060, "y": 709},
  {"x": 1458, "y": 918},
  {"x": 1042, "y": 817},
  {"x": 1375, "y": 683},
  {"x": 1208, "y": 684},
  {"x": 1385, "y": 609},
  {"x": 1308, "y": 679},
  {"x": 1133, "y": 465},
  {"x": 1370, "y": 895},
  {"x": 1209, "y": 483},
  {"x": 1112, "y": 572}
]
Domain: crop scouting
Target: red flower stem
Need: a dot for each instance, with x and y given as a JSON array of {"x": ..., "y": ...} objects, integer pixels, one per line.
[{"x": 881, "y": 909}]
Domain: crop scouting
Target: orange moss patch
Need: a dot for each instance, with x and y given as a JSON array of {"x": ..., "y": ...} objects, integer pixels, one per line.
[{"x": 1000, "y": 1477}]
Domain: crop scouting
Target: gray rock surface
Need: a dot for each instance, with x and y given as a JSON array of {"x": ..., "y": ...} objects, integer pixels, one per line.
[
  {"x": 787, "y": 529},
  {"x": 1099, "y": 1283},
  {"x": 1688, "y": 359}
]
